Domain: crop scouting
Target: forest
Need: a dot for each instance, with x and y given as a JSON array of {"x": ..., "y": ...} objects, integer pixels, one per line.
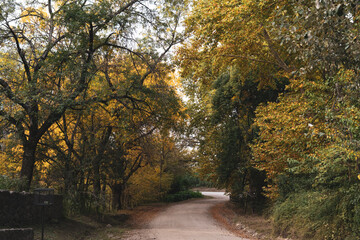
[{"x": 117, "y": 103}]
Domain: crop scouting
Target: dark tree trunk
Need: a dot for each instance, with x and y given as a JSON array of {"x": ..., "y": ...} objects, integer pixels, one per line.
[
  {"x": 117, "y": 190},
  {"x": 97, "y": 181},
  {"x": 68, "y": 177},
  {"x": 97, "y": 160},
  {"x": 28, "y": 163}
]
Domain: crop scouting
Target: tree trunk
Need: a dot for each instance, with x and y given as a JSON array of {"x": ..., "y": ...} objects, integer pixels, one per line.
[
  {"x": 28, "y": 163},
  {"x": 97, "y": 181},
  {"x": 97, "y": 160},
  {"x": 117, "y": 190},
  {"x": 68, "y": 177}
]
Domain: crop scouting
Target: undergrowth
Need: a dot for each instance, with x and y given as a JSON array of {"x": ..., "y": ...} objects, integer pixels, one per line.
[
  {"x": 327, "y": 215},
  {"x": 182, "y": 195}
]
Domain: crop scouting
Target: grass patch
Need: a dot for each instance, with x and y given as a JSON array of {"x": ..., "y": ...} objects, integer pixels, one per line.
[{"x": 182, "y": 195}]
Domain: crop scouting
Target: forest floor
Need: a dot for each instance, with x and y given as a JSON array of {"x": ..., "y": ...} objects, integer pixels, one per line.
[{"x": 108, "y": 227}]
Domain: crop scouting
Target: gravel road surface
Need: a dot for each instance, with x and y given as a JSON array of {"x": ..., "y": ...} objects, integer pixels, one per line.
[{"x": 189, "y": 220}]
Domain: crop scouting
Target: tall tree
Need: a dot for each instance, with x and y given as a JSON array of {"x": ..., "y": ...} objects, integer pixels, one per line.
[
  {"x": 50, "y": 53},
  {"x": 230, "y": 65}
]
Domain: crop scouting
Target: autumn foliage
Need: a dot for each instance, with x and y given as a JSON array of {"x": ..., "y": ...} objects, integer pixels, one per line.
[
  {"x": 274, "y": 88},
  {"x": 88, "y": 100},
  {"x": 90, "y": 104}
]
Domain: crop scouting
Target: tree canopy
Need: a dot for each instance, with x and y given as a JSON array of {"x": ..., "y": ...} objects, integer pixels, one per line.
[
  {"x": 56, "y": 53},
  {"x": 273, "y": 87},
  {"x": 90, "y": 102}
]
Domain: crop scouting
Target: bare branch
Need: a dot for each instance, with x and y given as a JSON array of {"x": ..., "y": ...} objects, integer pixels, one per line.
[{"x": 129, "y": 50}]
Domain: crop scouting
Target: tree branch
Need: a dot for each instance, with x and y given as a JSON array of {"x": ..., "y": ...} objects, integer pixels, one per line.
[
  {"x": 111, "y": 16},
  {"x": 20, "y": 52},
  {"x": 19, "y": 127},
  {"x": 274, "y": 53},
  {"x": 10, "y": 95}
]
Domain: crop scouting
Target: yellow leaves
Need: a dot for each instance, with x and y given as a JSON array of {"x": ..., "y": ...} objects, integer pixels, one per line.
[
  {"x": 235, "y": 98},
  {"x": 304, "y": 126},
  {"x": 10, "y": 154},
  {"x": 144, "y": 185},
  {"x": 289, "y": 128},
  {"x": 227, "y": 33},
  {"x": 34, "y": 18},
  {"x": 345, "y": 76}
]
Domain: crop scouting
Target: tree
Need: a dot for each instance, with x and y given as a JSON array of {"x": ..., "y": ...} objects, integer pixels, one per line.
[
  {"x": 305, "y": 139},
  {"x": 308, "y": 142},
  {"x": 323, "y": 35},
  {"x": 97, "y": 149},
  {"x": 230, "y": 65},
  {"x": 290, "y": 129},
  {"x": 233, "y": 33},
  {"x": 51, "y": 52}
]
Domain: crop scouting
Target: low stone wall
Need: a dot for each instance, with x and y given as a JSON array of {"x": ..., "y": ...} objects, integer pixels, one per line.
[
  {"x": 18, "y": 209},
  {"x": 17, "y": 234}
]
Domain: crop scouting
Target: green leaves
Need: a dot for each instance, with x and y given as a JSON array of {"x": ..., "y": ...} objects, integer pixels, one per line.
[{"x": 321, "y": 33}]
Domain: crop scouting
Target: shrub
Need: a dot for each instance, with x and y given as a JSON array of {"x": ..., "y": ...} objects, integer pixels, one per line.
[
  {"x": 181, "y": 183},
  {"x": 328, "y": 215},
  {"x": 182, "y": 195},
  {"x": 12, "y": 184}
]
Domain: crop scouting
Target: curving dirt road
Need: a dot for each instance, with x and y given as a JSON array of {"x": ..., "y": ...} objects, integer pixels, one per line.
[{"x": 189, "y": 220}]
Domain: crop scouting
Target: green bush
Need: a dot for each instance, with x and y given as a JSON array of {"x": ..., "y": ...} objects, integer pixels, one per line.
[
  {"x": 327, "y": 215},
  {"x": 187, "y": 181},
  {"x": 182, "y": 183},
  {"x": 182, "y": 195}
]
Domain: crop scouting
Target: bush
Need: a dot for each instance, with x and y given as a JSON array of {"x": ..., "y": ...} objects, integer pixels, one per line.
[
  {"x": 181, "y": 183},
  {"x": 182, "y": 195},
  {"x": 87, "y": 203},
  {"x": 12, "y": 184},
  {"x": 328, "y": 215},
  {"x": 187, "y": 181}
]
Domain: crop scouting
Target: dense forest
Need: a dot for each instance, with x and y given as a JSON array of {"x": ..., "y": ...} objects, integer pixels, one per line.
[{"x": 128, "y": 101}]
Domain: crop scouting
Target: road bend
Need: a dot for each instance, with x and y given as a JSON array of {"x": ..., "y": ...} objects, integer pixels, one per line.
[{"x": 189, "y": 220}]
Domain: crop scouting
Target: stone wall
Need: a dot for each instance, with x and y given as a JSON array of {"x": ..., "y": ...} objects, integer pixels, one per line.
[
  {"x": 18, "y": 209},
  {"x": 17, "y": 234}
]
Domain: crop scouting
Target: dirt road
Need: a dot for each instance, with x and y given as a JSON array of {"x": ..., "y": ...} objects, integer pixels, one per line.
[{"x": 189, "y": 220}]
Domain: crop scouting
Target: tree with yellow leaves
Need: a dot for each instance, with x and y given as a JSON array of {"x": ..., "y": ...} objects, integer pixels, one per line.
[
  {"x": 230, "y": 65},
  {"x": 52, "y": 50}
]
